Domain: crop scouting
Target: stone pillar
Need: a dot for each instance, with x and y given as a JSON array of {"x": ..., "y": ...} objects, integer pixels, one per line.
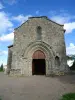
[{"x": 9, "y": 61}]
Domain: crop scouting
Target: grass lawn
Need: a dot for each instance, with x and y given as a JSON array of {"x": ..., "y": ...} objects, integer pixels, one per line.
[
  {"x": 68, "y": 96},
  {"x": 0, "y": 98},
  {"x": 1, "y": 71}
]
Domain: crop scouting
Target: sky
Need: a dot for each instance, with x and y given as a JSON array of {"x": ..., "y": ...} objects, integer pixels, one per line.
[{"x": 15, "y": 12}]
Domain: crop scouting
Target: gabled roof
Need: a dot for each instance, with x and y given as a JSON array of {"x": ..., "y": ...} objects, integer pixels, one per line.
[
  {"x": 41, "y": 17},
  {"x": 47, "y": 19}
]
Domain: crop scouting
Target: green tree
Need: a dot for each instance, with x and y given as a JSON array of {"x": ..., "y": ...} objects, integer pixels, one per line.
[{"x": 1, "y": 68}]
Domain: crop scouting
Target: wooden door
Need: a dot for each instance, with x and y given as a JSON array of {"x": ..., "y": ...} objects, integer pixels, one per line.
[{"x": 38, "y": 55}]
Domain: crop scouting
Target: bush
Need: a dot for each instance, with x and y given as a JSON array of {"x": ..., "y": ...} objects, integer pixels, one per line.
[
  {"x": 73, "y": 66},
  {"x": 68, "y": 96}
]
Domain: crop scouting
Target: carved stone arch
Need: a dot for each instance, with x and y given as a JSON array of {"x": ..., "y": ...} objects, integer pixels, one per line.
[
  {"x": 30, "y": 53},
  {"x": 39, "y": 45},
  {"x": 49, "y": 55}
]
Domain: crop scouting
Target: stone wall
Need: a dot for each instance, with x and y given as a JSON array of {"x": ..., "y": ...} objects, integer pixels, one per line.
[
  {"x": 52, "y": 38},
  {"x": 9, "y": 61}
]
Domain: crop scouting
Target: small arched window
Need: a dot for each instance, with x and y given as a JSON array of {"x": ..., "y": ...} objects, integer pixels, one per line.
[
  {"x": 39, "y": 33},
  {"x": 57, "y": 61}
]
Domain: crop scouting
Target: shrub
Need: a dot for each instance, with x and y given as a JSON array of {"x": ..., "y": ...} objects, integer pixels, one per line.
[{"x": 68, "y": 96}]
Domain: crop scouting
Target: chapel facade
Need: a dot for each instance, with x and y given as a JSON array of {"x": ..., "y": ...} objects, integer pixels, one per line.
[{"x": 38, "y": 48}]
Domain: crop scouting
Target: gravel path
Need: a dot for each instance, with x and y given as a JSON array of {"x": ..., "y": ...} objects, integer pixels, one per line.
[{"x": 35, "y": 87}]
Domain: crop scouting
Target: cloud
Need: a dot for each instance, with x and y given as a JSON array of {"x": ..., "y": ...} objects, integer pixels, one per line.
[
  {"x": 37, "y": 12},
  {"x": 60, "y": 19},
  {"x": 21, "y": 18},
  {"x": 66, "y": 19},
  {"x": 1, "y": 6},
  {"x": 5, "y": 23},
  {"x": 70, "y": 62},
  {"x": 69, "y": 27},
  {"x": 11, "y": 2},
  {"x": 3, "y": 53},
  {"x": 8, "y": 37},
  {"x": 3, "y": 57},
  {"x": 70, "y": 49}
]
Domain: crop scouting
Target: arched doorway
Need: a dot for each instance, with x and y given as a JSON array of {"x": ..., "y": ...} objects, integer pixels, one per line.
[{"x": 38, "y": 63}]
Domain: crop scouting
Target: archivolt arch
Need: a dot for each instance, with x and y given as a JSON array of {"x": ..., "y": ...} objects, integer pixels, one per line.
[
  {"x": 39, "y": 45},
  {"x": 46, "y": 49}
]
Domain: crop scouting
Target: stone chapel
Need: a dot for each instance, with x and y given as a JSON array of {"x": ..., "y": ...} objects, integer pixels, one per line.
[{"x": 38, "y": 48}]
